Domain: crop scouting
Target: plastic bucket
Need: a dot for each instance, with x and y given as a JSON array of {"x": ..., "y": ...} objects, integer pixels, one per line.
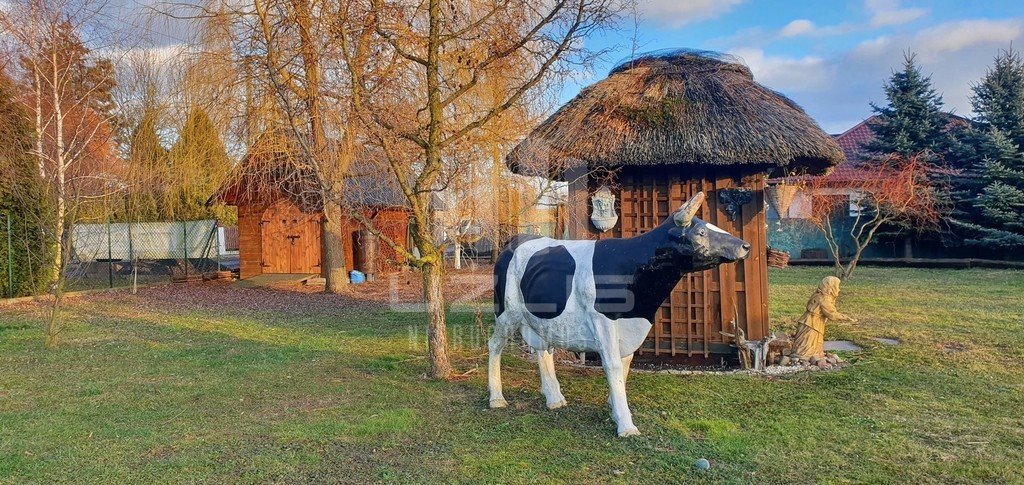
[{"x": 357, "y": 277}]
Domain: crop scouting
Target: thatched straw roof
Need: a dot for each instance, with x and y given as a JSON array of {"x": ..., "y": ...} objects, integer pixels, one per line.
[
  {"x": 274, "y": 167},
  {"x": 685, "y": 107}
]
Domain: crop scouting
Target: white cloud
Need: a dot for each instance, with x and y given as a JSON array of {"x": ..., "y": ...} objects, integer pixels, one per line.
[
  {"x": 797, "y": 27},
  {"x": 881, "y": 13},
  {"x": 836, "y": 89},
  {"x": 961, "y": 35},
  {"x": 676, "y": 13},
  {"x": 886, "y": 13},
  {"x": 805, "y": 73}
]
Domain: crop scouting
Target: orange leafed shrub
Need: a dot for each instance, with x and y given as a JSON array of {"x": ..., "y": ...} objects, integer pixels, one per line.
[{"x": 896, "y": 190}]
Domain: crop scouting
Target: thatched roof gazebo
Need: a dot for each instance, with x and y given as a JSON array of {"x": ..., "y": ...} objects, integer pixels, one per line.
[
  {"x": 684, "y": 107},
  {"x": 658, "y": 129}
]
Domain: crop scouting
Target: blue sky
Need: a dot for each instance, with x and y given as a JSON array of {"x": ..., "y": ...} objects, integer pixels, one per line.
[{"x": 831, "y": 57}]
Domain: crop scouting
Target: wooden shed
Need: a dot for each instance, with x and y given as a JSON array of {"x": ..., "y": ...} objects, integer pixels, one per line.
[
  {"x": 657, "y": 130},
  {"x": 280, "y": 217}
]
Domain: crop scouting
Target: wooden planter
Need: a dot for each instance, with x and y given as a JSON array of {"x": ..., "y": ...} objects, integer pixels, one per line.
[{"x": 777, "y": 259}]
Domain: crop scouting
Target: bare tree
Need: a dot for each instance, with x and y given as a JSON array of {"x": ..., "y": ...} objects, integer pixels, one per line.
[
  {"x": 289, "y": 57},
  {"x": 447, "y": 51},
  {"x": 892, "y": 190},
  {"x": 295, "y": 45}
]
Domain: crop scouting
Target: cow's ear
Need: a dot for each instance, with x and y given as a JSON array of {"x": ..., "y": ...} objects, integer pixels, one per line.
[
  {"x": 684, "y": 216},
  {"x": 676, "y": 234}
]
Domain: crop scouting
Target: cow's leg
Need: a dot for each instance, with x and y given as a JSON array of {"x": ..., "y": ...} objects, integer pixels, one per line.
[
  {"x": 503, "y": 329},
  {"x": 626, "y": 362},
  {"x": 546, "y": 363},
  {"x": 612, "y": 360},
  {"x": 548, "y": 381}
]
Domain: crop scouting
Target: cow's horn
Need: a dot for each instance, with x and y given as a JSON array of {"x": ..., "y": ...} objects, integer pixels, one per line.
[{"x": 684, "y": 216}]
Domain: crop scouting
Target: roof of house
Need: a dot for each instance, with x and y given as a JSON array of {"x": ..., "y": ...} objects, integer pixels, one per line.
[
  {"x": 854, "y": 140},
  {"x": 681, "y": 107},
  {"x": 272, "y": 169}
]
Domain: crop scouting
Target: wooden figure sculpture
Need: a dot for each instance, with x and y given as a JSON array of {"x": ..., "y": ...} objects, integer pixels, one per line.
[{"x": 810, "y": 333}]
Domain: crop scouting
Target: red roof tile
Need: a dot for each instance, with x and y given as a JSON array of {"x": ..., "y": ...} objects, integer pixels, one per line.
[
  {"x": 853, "y": 143},
  {"x": 854, "y": 140}
]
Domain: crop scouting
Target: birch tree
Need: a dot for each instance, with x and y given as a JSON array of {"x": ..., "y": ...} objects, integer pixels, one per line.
[{"x": 68, "y": 95}]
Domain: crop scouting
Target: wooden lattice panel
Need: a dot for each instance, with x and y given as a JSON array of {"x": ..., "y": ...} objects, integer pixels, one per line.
[{"x": 691, "y": 320}]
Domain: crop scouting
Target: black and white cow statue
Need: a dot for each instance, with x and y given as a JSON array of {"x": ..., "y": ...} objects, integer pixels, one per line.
[{"x": 597, "y": 296}]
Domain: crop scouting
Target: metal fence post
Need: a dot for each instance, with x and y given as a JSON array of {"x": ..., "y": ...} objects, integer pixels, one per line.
[
  {"x": 110, "y": 257},
  {"x": 10, "y": 259},
  {"x": 184, "y": 230},
  {"x": 216, "y": 240},
  {"x": 132, "y": 260},
  {"x": 131, "y": 248}
]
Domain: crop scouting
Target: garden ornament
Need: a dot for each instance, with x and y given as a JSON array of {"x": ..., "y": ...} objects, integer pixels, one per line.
[
  {"x": 603, "y": 215},
  {"x": 597, "y": 296},
  {"x": 810, "y": 333}
]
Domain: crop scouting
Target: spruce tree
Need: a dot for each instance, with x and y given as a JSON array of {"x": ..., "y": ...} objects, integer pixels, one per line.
[
  {"x": 991, "y": 183},
  {"x": 998, "y": 99},
  {"x": 1001, "y": 201},
  {"x": 912, "y": 121}
]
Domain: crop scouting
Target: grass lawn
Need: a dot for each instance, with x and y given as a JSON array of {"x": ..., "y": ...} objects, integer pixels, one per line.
[{"x": 220, "y": 384}]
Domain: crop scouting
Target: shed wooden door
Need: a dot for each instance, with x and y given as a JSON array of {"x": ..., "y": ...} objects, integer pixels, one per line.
[
  {"x": 703, "y": 304},
  {"x": 290, "y": 239}
]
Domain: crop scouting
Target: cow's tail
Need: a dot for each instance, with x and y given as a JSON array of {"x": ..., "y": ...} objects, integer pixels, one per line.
[{"x": 501, "y": 269}]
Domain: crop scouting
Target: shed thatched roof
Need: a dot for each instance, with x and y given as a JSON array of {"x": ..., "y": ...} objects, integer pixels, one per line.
[
  {"x": 273, "y": 168},
  {"x": 685, "y": 107}
]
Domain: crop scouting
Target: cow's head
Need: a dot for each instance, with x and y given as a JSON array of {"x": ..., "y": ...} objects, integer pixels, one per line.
[{"x": 707, "y": 244}]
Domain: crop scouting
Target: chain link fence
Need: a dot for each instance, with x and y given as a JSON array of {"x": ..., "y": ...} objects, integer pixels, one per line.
[{"x": 111, "y": 255}]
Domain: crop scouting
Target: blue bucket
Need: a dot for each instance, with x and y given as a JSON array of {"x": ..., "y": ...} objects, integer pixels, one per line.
[{"x": 357, "y": 277}]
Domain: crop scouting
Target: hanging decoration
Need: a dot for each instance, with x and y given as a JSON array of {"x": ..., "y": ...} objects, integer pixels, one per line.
[{"x": 603, "y": 214}]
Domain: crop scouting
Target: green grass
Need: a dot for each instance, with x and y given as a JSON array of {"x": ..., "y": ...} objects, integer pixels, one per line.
[{"x": 157, "y": 392}]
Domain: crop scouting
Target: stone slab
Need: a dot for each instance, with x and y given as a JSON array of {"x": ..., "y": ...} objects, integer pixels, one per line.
[{"x": 841, "y": 345}]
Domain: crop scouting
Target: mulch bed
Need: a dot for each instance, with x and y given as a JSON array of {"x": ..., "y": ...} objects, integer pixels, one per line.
[{"x": 219, "y": 295}]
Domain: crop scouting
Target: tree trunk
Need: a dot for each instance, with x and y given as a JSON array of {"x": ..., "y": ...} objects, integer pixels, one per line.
[
  {"x": 53, "y": 324},
  {"x": 908, "y": 247},
  {"x": 852, "y": 265},
  {"x": 332, "y": 250},
  {"x": 437, "y": 338},
  {"x": 61, "y": 169}
]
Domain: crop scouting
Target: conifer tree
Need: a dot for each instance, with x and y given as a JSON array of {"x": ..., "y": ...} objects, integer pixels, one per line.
[
  {"x": 1001, "y": 201},
  {"x": 912, "y": 121},
  {"x": 23, "y": 200},
  {"x": 148, "y": 170},
  {"x": 912, "y": 124},
  {"x": 199, "y": 163},
  {"x": 990, "y": 186},
  {"x": 999, "y": 98}
]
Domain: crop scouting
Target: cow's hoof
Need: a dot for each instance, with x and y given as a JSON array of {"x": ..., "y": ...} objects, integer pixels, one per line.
[
  {"x": 556, "y": 405},
  {"x": 498, "y": 403},
  {"x": 631, "y": 431}
]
